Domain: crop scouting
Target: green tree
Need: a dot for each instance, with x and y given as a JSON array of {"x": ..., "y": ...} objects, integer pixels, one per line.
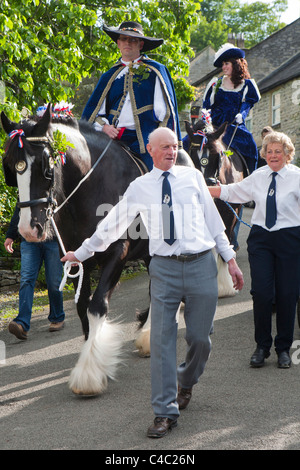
[
  {"x": 217, "y": 18},
  {"x": 47, "y": 47},
  {"x": 257, "y": 20}
]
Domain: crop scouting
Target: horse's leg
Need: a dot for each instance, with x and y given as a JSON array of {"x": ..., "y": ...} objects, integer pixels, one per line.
[
  {"x": 83, "y": 301},
  {"x": 142, "y": 341},
  {"x": 101, "y": 352}
]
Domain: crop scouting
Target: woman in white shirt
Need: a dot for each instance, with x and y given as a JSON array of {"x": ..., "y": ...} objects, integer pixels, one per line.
[{"x": 273, "y": 245}]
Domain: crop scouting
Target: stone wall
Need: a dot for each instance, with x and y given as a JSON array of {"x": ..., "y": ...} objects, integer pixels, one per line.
[
  {"x": 289, "y": 113},
  {"x": 9, "y": 277}
]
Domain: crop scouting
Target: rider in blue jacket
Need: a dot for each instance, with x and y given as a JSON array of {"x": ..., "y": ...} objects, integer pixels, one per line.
[
  {"x": 136, "y": 95},
  {"x": 230, "y": 98}
]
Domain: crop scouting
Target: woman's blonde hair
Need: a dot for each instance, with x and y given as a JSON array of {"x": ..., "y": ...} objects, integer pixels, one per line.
[{"x": 281, "y": 138}]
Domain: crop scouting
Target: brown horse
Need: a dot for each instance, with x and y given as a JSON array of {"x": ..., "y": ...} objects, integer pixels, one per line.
[{"x": 217, "y": 164}]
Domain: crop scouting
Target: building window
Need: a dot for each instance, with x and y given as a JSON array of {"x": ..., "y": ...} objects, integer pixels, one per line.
[
  {"x": 276, "y": 108},
  {"x": 249, "y": 121}
]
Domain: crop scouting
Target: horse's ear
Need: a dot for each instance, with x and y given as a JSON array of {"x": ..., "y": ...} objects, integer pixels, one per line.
[
  {"x": 7, "y": 124},
  {"x": 42, "y": 125},
  {"x": 216, "y": 134},
  {"x": 189, "y": 129}
]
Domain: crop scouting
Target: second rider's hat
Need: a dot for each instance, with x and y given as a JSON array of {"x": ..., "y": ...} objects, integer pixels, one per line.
[{"x": 227, "y": 51}]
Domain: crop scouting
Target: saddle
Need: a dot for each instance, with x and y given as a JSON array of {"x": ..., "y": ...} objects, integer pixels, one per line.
[{"x": 135, "y": 157}]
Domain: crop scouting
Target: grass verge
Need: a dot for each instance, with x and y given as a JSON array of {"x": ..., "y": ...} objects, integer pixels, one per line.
[{"x": 9, "y": 301}]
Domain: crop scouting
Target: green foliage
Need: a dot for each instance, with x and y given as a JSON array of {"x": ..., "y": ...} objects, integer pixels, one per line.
[
  {"x": 217, "y": 18},
  {"x": 8, "y": 199},
  {"x": 59, "y": 144},
  {"x": 49, "y": 47},
  {"x": 257, "y": 20}
]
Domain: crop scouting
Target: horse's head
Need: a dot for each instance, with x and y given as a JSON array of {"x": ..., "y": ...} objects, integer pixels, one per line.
[
  {"x": 206, "y": 148},
  {"x": 28, "y": 164}
]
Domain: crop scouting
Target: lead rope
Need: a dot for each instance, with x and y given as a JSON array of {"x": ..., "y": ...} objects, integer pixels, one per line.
[
  {"x": 68, "y": 265},
  {"x": 238, "y": 218}
]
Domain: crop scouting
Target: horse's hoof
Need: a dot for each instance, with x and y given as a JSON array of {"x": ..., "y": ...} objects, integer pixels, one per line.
[
  {"x": 142, "y": 343},
  {"x": 142, "y": 353},
  {"x": 80, "y": 393}
]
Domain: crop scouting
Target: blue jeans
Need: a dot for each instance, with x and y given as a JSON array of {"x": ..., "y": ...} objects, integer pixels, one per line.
[{"x": 32, "y": 257}]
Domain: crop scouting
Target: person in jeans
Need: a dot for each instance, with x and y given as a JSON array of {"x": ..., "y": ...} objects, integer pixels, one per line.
[{"x": 32, "y": 257}]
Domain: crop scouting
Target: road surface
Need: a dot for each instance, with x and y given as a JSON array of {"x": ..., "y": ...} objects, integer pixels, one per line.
[{"x": 234, "y": 407}]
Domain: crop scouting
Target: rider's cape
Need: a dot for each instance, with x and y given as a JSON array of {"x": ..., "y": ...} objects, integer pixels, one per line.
[{"x": 141, "y": 89}]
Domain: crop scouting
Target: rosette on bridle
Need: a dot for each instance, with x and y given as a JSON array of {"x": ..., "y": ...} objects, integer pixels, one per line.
[
  {"x": 205, "y": 116},
  {"x": 17, "y": 132},
  {"x": 204, "y": 138}
]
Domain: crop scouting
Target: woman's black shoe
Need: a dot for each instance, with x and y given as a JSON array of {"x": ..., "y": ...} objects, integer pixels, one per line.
[{"x": 258, "y": 357}]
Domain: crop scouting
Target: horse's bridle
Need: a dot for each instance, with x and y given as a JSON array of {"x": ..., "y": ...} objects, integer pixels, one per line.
[
  {"x": 48, "y": 174},
  {"x": 204, "y": 160}
]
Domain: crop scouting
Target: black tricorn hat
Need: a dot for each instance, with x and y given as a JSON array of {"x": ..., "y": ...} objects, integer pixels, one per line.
[{"x": 131, "y": 28}]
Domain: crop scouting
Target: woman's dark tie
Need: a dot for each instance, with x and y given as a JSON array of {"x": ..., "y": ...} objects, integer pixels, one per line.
[
  {"x": 167, "y": 211},
  {"x": 271, "y": 212}
]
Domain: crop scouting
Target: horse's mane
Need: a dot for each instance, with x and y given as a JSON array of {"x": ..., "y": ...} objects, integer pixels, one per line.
[{"x": 67, "y": 119}]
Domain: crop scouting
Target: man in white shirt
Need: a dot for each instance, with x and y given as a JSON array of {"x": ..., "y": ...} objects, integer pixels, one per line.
[
  {"x": 136, "y": 95},
  {"x": 183, "y": 268}
]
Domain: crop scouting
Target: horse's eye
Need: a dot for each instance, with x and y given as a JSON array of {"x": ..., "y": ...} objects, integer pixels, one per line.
[
  {"x": 51, "y": 163},
  {"x": 20, "y": 167}
]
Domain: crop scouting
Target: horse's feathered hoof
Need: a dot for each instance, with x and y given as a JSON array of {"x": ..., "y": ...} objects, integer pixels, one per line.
[
  {"x": 142, "y": 343},
  {"x": 99, "y": 358}
]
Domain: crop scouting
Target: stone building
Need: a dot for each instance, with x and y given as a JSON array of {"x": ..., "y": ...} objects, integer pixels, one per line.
[{"x": 275, "y": 65}]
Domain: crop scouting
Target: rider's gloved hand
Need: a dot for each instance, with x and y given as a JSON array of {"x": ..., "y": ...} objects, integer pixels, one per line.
[{"x": 239, "y": 118}]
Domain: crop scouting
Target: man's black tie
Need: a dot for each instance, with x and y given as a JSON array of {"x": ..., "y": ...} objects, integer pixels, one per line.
[
  {"x": 271, "y": 211},
  {"x": 167, "y": 211}
]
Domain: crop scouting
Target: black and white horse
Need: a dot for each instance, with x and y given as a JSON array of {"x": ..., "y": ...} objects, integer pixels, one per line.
[{"x": 76, "y": 196}]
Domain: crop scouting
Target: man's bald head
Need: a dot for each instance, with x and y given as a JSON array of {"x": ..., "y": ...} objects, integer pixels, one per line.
[{"x": 163, "y": 147}]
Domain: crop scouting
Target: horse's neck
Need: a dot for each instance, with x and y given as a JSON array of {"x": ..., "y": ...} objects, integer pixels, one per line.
[{"x": 224, "y": 169}]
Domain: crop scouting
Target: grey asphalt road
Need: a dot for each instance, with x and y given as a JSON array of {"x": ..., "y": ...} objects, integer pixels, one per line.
[{"x": 234, "y": 407}]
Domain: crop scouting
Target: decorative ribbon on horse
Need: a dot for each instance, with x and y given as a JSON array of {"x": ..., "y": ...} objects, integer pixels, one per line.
[
  {"x": 17, "y": 132},
  {"x": 204, "y": 138},
  {"x": 205, "y": 116}
]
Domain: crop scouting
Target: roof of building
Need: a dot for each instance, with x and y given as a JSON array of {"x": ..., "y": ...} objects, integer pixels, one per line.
[{"x": 286, "y": 72}]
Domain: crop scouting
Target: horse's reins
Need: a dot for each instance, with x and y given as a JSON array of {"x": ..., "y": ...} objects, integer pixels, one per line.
[
  {"x": 84, "y": 178},
  {"x": 232, "y": 137}
]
